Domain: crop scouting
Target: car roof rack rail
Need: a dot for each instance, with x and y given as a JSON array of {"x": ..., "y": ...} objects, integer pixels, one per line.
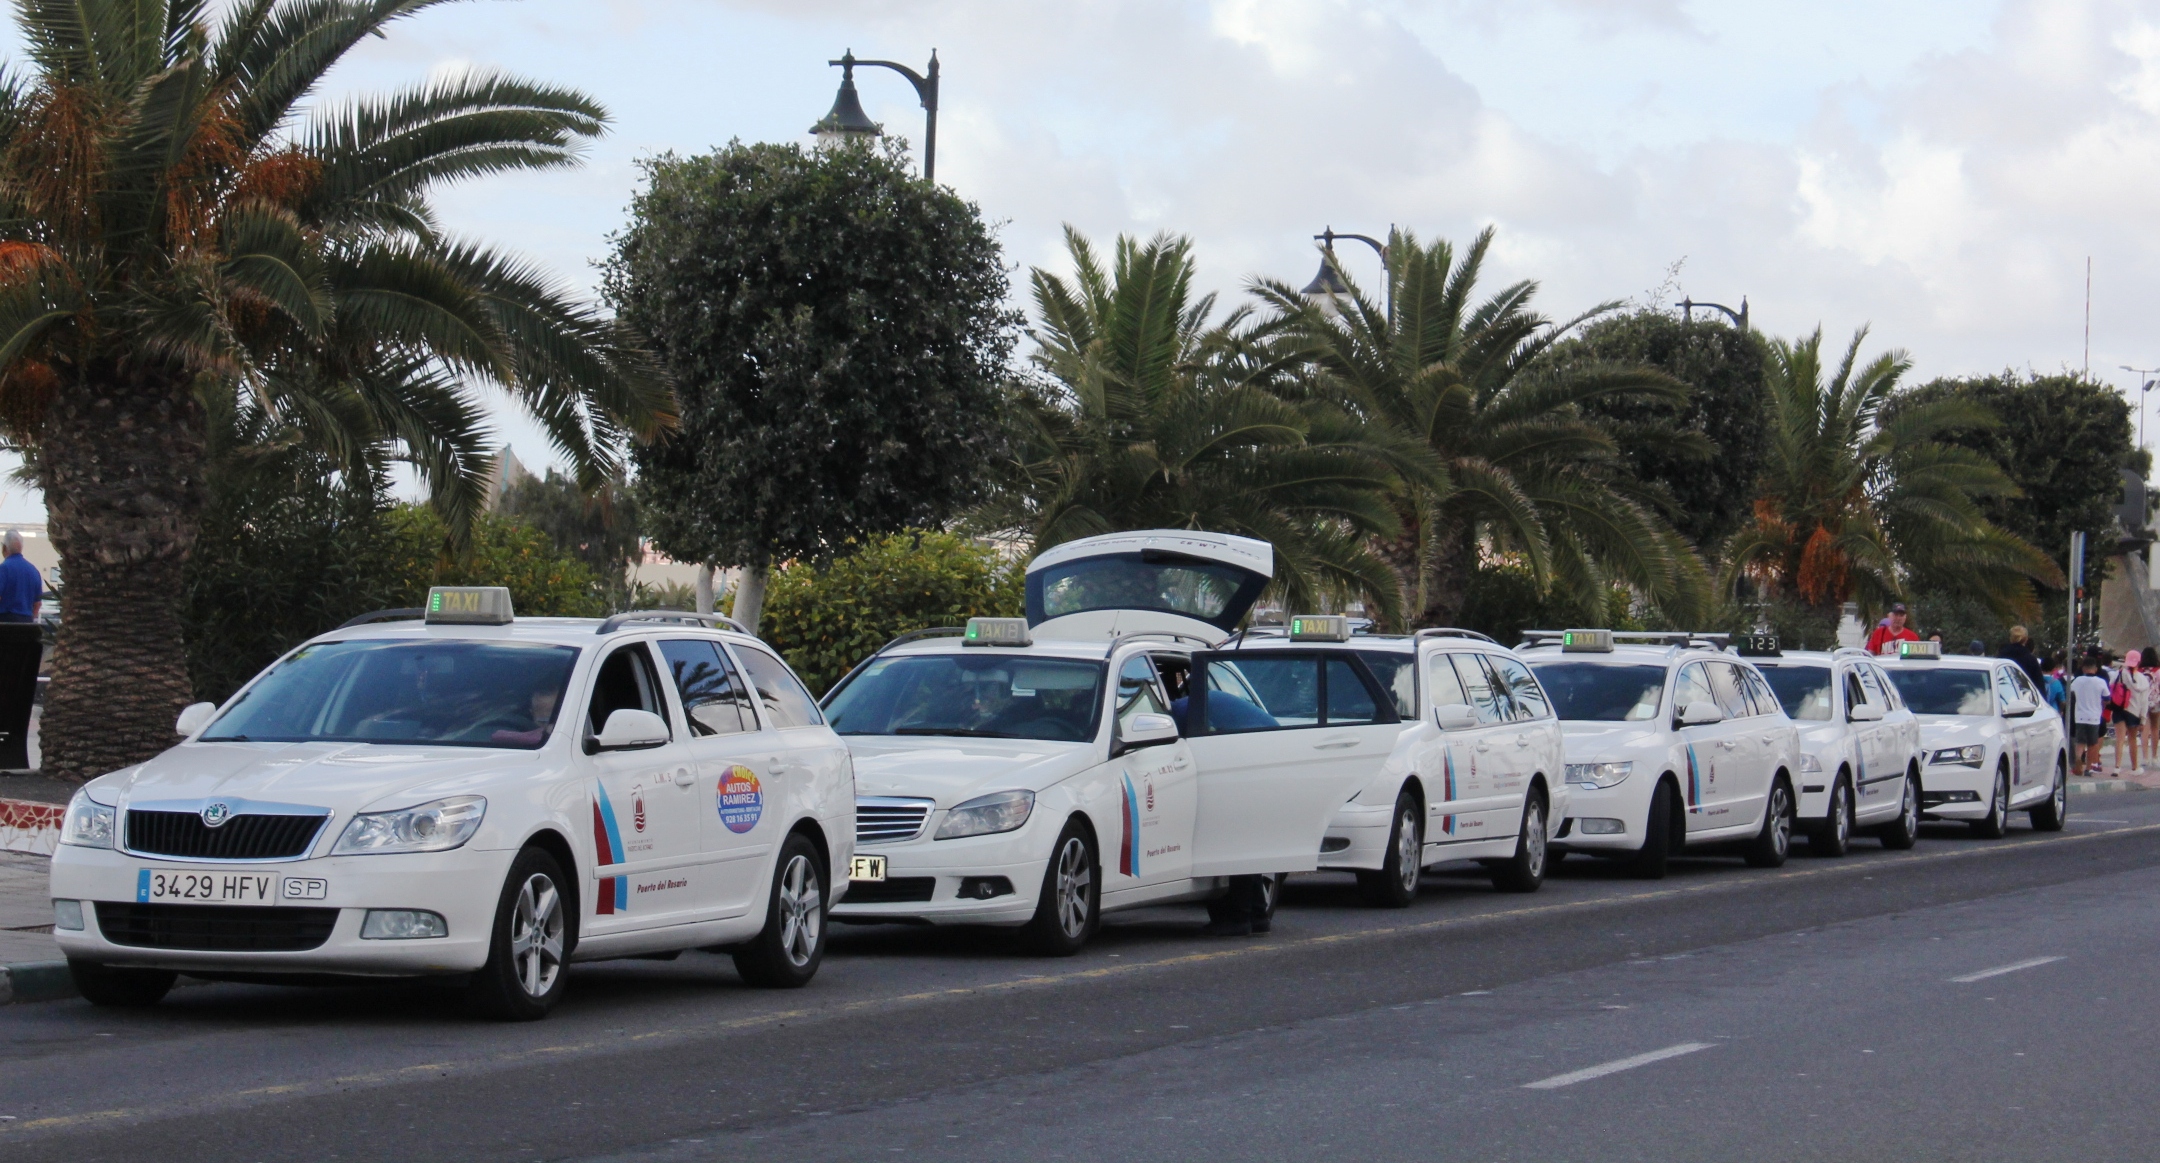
[
  {"x": 1673, "y": 638},
  {"x": 401, "y": 614},
  {"x": 718, "y": 621},
  {"x": 1172, "y": 635},
  {"x": 1451, "y": 632},
  {"x": 917, "y": 635}
]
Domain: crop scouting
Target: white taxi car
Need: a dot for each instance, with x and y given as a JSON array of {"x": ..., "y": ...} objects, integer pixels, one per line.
[
  {"x": 1671, "y": 743},
  {"x": 1475, "y": 773},
  {"x": 1032, "y": 772},
  {"x": 1992, "y": 745},
  {"x": 1860, "y": 750},
  {"x": 458, "y": 791}
]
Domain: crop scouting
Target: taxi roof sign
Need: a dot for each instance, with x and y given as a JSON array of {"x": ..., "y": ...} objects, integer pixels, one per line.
[
  {"x": 467, "y": 606},
  {"x": 996, "y": 632},
  {"x": 1586, "y": 641},
  {"x": 1762, "y": 645},
  {"x": 1927, "y": 650},
  {"x": 1320, "y": 628}
]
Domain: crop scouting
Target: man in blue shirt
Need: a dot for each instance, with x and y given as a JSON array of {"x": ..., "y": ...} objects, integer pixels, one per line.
[{"x": 22, "y": 587}]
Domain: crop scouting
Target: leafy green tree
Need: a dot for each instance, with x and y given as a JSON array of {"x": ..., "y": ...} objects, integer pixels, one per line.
[
  {"x": 543, "y": 581},
  {"x": 171, "y": 215},
  {"x": 837, "y": 336},
  {"x": 599, "y": 528},
  {"x": 826, "y": 618},
  {"x": 1491, "y": 441},
  {"x": 1147, "y": 415}
]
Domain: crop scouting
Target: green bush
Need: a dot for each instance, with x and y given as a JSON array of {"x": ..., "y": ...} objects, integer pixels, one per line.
[
  {"x": 825, "y": 619},
  {"x": 543, "y": 581}
]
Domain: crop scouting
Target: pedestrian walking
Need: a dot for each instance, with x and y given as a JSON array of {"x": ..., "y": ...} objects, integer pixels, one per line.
[
  {"x": 2053, "y": 688},
  {"x": 1891, "y": 631},
  {"x": 2019, "y": 650},
  {"x": 2150, "y": 671},
  {"x": 22, "y": 587},
  {"x": 2127, "y": 691},
  {"x": 2089, "y": 707}
]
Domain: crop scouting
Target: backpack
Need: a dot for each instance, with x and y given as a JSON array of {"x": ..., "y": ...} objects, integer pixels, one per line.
[{"x": 2118, "y": 693}]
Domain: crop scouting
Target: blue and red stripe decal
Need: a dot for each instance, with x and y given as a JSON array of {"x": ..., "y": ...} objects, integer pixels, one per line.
[
  {"x": 1447, "y": 755},
  {"x": 1694, "y": 780},
  {"x": 614, "y": 894},
  {"x": 1128, "y": 861}
]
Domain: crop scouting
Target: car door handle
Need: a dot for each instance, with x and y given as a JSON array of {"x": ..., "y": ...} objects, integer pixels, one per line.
[
  {"x": 1180, "y": 763},
  {"x": 1522, "y": 740},
  {"x": 1337, "y": 745},
  {"x": 684, "y": 777},
  {"x": 777, "y": 766},
  {"x": 1484, "y": 746}
]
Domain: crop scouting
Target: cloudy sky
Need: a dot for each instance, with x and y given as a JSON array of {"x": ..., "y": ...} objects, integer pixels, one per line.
[{"x": 1938, "y": 169}]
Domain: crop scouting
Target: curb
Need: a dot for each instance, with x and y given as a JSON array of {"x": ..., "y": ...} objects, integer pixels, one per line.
[
  {"x": 2105, "y": 785},
  {"x": 28, "y": 981}
]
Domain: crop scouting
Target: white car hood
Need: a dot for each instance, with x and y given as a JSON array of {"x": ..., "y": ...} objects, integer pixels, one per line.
[
  {"x": 950, "y": 769},
  {"x": 344, "y": 777},
  {"x": 1953, "y": 730},
  {"x": 1599, "y": 742}
]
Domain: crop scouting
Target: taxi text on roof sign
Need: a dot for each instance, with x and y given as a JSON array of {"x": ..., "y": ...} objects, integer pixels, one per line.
[
  {"x": 1919, "y": 650},
  {"x": 996, "y": 632},
  {"x": 1320, "y": 628},
  {"x": 469, "y": 606},
  {"x": 1586, "y": 641}
]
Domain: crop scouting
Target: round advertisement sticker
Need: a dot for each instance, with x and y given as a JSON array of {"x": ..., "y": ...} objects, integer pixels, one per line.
[{"x": 742, "y": 801}]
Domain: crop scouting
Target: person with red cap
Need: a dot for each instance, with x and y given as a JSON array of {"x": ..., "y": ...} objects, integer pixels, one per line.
[{"x": 1891, "y": 631}]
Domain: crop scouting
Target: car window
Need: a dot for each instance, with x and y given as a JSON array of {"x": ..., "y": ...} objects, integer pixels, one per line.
[
  {"x": 1855, "y": 694},
  {"x": 391, "y": 691},
  {"x": 1596, "y": 692},
  {"x": 1397, "y": 672},
  {"x": 713, "y": 696},
  {"x": 1891, "y": 695},
  {"x": 1139, "y": 691},
  {"x": 785, "y": 701},
  {"x": 1804, "y": 691},
  {"x": 2006, "y": 691},
  {"x": 2025, "y": 687},
  {"x": 625, "y": 682},
  {"x": 1486, "y": 693},
  {"x": 1348, "y": 700},
  {"x": 1765, "y": 699},
  {"x": 1260, "y": 692},
  {"x": 1442, "y": 688},
  {"x": 982, "y": 694},
  {"x": 1530, "y": 702},
  {"x": 1725, "y": 686},
  {"x": 1943, "y": 690},
  {"x": 1869, "y": 683},
  {"x": 1694, "y": 687}
]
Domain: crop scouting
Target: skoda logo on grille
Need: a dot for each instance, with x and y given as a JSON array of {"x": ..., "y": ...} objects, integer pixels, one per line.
[{"x": 215, "y": 814}]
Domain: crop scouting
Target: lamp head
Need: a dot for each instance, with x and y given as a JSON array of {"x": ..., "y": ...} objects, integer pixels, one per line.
[{"x": 847, "y": 119}]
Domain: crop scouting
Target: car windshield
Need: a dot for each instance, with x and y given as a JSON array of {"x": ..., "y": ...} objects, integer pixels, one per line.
[
  {"x": 999, "y": 696},
  {"x": 464, "y": 694},
  {"x": 1597, "y": 692},
  {"x": 1944, "y": 692},
  {"x": 1804, "y": 691}
]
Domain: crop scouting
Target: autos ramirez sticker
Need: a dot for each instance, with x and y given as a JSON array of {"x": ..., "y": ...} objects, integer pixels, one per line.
[{"x": 742, "y": 801}]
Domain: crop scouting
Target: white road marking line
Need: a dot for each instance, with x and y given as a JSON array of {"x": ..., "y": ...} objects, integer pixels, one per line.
[
  {"x": 1589, "y": 1072},
  {"x": 1999, "y": 970}
]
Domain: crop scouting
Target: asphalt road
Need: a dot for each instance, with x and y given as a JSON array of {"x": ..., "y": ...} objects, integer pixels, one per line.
[{"x": 1815, "y": 1011}]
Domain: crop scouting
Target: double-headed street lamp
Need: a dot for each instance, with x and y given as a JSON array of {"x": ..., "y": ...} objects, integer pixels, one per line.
[
  {"x": 847, "y": 118},
  {"x": 1328, "y": 283}
]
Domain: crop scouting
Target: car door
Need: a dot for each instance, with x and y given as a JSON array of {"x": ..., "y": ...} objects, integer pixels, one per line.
[
  {"x": 1874, "y": 740},
  {"x": 646, "y": 810},
  {"x": 1451, "y": 790},
  {"x": 1746, "y": 749},
  {"x": 1706, "y": 758},
  {"x": 1901, "y": 741},
  {"x": 1272, "y": 767},
  {"x": 2017, "y": 729},
  {"x": 1525, "y": 744},
  {"x": 2038, "y": 733},
  {"x": 725, "y": 744},
  {"x": 1157, "y": 796},
  {"x": 805, "y": 763}
]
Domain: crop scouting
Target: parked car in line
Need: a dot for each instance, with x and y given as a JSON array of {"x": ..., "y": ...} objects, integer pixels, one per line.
[
  {"x": 1993, "y": 746},
  {"x": 1860, "y": 754},
  {"x": 1672, "y": 744},
  {"x": 461, "y": 791}
]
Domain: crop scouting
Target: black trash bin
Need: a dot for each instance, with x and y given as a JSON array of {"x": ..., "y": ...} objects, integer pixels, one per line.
[{"x": 22, "y": 645}]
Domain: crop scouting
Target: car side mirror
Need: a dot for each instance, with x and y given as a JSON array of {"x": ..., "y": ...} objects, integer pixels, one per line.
[
  {"x": 1146, "y": 730},
  {"x": 1700, "y": 714},
  {"x": 2020, "y": 708},
  {"x": 628, "y": 730},
  {"x": 193, "y": 718},
  {"x": 1454, "y": 717},
  {"x": 1863, "y": 713}
]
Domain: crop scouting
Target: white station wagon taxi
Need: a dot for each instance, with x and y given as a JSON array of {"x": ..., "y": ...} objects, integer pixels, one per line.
[
  {"x": 1992, "y": 745},
  {"x": 1032, "y": 772},
  {"x": 458, "y": 791},
  {"x": 1860, "y": 750}
]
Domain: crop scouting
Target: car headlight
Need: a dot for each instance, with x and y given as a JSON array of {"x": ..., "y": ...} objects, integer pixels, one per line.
[
  {"x": 1972, "y": 756},
  {"x": 1809, "y": 765},
  {"x": 89, "y": 823},
  {"x": 984, "y": 815},
  {"x": 1599, "y": 774},
  {"x": 434, "y": 827}
]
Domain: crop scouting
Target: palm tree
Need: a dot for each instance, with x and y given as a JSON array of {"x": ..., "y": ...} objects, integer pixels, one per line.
[
  {"x": 1149, "y": 416},
  {"x": 1516, "y": 467},
  {"x": 168, "y": 222},
  {"x": 1859, "y": 504}
]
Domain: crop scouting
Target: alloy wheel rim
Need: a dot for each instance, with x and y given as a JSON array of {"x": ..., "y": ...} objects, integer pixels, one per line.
[
  {"x": 1911, "y": 812},
  {"x": 802, "y": 911},
  {"x": 1841, "y": 810},
  {"x": 2001, "y": 809},
  {"x": 536, "y": 932},
  {"x": 1409, "y": 847},
  {"x": 1534, "y": 838},
  {"x": 1073, "y": 883},
  {"x": 2062, "y": 794},
  {"x": 1781, "y": 821}
]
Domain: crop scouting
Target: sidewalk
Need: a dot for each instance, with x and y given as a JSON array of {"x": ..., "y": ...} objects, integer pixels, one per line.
[{"x": 25, "y": 910}]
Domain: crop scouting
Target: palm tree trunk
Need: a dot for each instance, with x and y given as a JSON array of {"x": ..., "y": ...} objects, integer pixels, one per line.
[
  {"x": 121, "y": 460},
  {"x": 1454, "y": 561}
]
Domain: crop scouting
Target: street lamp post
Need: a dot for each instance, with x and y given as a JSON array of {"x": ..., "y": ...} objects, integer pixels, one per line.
[
  {"x": 2142, "y": 394},
  {"x": 1328, "y": 283},
  {"x": 847, "y": 118},
  {"x": 1739, "y": 318}
]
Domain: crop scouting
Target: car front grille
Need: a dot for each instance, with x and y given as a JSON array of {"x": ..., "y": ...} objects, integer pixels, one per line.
[
  {"x": 218, "y": 928},
  {"x": 887, "y": 819},
  {"x": 244, "y": 837},
  {"x": 898, "y": 890}
]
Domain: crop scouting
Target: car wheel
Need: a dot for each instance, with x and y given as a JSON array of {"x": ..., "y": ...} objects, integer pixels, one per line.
[
  {"x": 1648, "y": 863},
  {"x": 2054, "y": 812},
  {"x": 787, "y": 952},
  {"x": 1833, "y": 837},
  {"x": 1271, "y": 886},
  {"x": 1525, "y": 871},
  {"x": 530, "y": 948},
  {"x": 1996, "y": 824},
  {"x": 113, "y": 985},
  {"x": 1396, "y": 884},
  {"x": 1070, "y": 907},
  {"x": 1774, "y": 842},
  {"x": 1904, "y": 832}
]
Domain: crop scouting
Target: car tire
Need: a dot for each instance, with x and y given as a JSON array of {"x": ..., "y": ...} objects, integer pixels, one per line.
[
  {"x": 786, "y": 953},
  {"x": 115, "y": 985},
  {"x": 534, "y": 931},
  {"x": 1771, "y": 845},
  {"x": 1069, "y": 910},
  {"x": 2054, "y": 811},
  {"x": 1833, "y": 837},
  {"x": 1395, "y": 886},
  {"x": 1648, "y": 863},
  {"x": 1525, "y": 871},
  {"x": 1903, "y": 832},
  {"x": 1996, "y": 824}
]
